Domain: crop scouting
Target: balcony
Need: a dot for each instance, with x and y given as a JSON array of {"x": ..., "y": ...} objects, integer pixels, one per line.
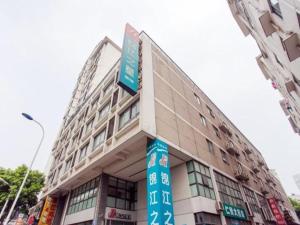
[
  {"x": 241, "y": 174},
  {"x": 267, "y": 24},
  {"x": 247, "y": 150},
  {"x": 254, "y": 168},
  {"x": 231, "y": 148},
  {"x": 292, "y": 47},
  {"x": 223, "y": 127}
]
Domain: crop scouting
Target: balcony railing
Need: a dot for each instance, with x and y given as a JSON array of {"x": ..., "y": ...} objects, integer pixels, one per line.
[
  {"x": 267, "y": 24},
  {"x": 223, "y": 127},
  {"x": 292, "y": 47},
  {"x": 241, "y": 174},
  {"x": 231, "y": 148},
  {"x": 254, "y": 168},
  {"x": 247, "y": 150},
  {"x": 264, "y": 189}
]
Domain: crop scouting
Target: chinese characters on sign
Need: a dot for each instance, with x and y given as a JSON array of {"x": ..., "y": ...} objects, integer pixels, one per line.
[
  {"x": 159, "y": 192},
  {"x": 275, "y": 210},
  {"x": 48, "y": 211},
  {"x": 234, "y": 212},
  {"x": 128, "y": 75}
]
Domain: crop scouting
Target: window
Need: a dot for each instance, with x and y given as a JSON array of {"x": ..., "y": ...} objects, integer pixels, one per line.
[
  {"x": 74, "y": 140},
  {"x": 94, "y": 103},
  {"x": 111, "y": 125},
  {"x": 275, "y": 8},
  {"x": 89, "y": 125},
  {"x": 203, "y": 120},
  {"x": 210, "y": 112},
  {"x": 130, "y": 113},
  {"x": 99, "y": 138},
  {"x": 121, "y": 194},
  {"x": 108, "y": 88},
  {"x": 203, "y": 218},
  {"x": 68, "y": 164},
  {"x": 200, "y": 180},
  {"x": 83, "y": 152},
  {"x": 115, "y": 98},
  {"x": 210, "y": 146},
  {"x": 246, "y": 156},
  {"x": 229, "y": 191},
  {"x": 250, "y": 197},
  {"x": 238, "y": 138},
  {"x": 217, "y": 132},
  {"x": 103, "y": 111},
  {"x": 197, "y": 99},
  {"x": 224, "y": 156},
  {"x": 83, "y": 197},
  {"x": 265, "y": 207}
]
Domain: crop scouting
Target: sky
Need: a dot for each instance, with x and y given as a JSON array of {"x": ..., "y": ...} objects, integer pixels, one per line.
[{"x": 44, "y": 45}]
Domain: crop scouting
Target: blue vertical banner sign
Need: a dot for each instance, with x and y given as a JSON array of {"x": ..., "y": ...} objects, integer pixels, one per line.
[
  {"x": 159, "y": 191},
  {"x": 128, "y": 75}
]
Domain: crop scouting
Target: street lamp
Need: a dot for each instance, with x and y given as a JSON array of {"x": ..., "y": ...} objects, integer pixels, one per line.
[
  {"x": 7, "y": 199},
  {"x": 27, "y": 116}
]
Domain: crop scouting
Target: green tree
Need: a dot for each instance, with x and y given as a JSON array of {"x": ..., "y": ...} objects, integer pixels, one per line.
[
  {"x": 32, "y": 187},
  {"x": 295, "y": 204}
]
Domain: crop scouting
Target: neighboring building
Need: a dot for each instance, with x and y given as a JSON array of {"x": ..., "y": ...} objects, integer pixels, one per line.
[
  {"x": 274, "y": 24},
  {"x": 98, "y": 171},
  {"x": 297, "y": 180},
  {"x": 295, "y": 197}
]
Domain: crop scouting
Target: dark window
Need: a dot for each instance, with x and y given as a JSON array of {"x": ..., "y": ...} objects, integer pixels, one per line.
[
  {"x": 250, "y": 197},
  {"x": 99, "y": 138},
  {"x": 111, "y": 125},
  {"x": 130, "y": 113},
  {"x": 115, "y": 98},
  {"x": 197, "y": 99},
  {"x": 275, "y": 8},
  {"x": 200, "y": 180},
  {"x": 82, "y": 152},
  {"x": 229, "y": 191},
  {"x": 210, "y": 112},
  {"x": 217, "y": 132},
  {"x": 121, "y": 194},
  {"x": 224, "y": 156},
  {"x": 203, "y": 120},
  {"x": 83, "y": 197}
]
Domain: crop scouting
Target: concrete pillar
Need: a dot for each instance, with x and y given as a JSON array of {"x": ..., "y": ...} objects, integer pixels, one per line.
[{"x": 101, "y": 200}]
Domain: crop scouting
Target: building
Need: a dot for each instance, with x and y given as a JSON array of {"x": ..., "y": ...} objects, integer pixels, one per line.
[
  {"x": 98, "y": 171},
  {"x": 274, "y": 24},
  {"x": 297, "y": 180}
]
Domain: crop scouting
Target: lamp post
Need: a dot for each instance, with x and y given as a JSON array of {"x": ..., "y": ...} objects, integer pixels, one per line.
[
  {"x": 27, "y": 116},
  {"x": 7, "y": 199}
]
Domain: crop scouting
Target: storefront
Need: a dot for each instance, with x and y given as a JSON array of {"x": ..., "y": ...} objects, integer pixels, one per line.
[{"x": 115, "y": 216}]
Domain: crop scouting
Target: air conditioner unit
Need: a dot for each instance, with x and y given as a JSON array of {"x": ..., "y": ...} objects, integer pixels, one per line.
[
  {"x": 219, "y": 206},
  {"x": 250, "y": 212}
]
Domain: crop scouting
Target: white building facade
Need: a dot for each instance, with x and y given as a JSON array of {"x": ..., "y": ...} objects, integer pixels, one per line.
[
  {"x": 274, "y": 24},
  {"x": 98, "y": 171}
]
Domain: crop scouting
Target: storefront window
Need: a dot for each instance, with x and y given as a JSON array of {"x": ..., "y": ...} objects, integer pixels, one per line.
[
  {"x": 203, "y": 218},
  {"x": 265, "y": 207},
  {"x": 229, "y": 191},
  {"x": 121, "y": 194},
  {"x": 83, "y": 197},
  {"x": 200, "y": 180}
]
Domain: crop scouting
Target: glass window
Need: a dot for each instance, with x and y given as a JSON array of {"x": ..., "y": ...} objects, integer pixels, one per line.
[
  {"x": 200, "y": 182},
  {"x": 89, "y": 125},
  {"x": 68, "y": 164},
  {"x": 203, "y": 120},
  {"x": 250, "y": 197},
  {"x": 229, "y": 191},
  {"x": 83, "y": 152},
  {"x": 224, "y": 156},
  {"x": 108, "y": 88},
  {"x": 197, "y": 99},
  {"x": 121, "y": 194},
  {"x": 275, "y": 8},
  {"x": 210, "y": 146},
  {"x": 210, "y": 112},
  {"x": 80, "y": 197},
  {"x": 217, "y": 132},
  {"x": 103, "y": 111},
  {"x": 130, "y": 113},
  {"x": 99, "y": 138}
]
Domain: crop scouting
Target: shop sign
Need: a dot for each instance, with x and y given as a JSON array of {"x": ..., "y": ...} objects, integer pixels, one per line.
[
  {"x": 48, "y": 212},
  {"x": 234, "y": 212},
  {"x": 159, "y": 192},
  {"x": 128, "y": 76},
  {"x": 119, "y": 214},
  {"x": 276, "y": 212}
]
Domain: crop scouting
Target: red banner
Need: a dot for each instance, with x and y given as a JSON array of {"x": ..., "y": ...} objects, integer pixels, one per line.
[{"x": 276, "y": 212}]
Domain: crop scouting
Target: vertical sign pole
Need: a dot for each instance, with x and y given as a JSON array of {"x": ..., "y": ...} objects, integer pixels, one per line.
[{"x": 159, "y": 191}]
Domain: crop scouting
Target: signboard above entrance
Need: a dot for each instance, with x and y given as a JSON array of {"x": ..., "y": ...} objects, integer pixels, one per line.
[
  {"x": 128, "y": 75},
  {"x": 234, "y": 212}
]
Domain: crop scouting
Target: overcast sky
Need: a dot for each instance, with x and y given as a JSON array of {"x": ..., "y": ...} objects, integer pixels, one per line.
[{"x": 44, "y": 44}]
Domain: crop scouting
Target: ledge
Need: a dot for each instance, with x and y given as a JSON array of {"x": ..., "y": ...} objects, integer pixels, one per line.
[
  {"x": 96, "y": 152},
  {"x": 108, "y": 141},
  {"x": 72, "y": 149},
  {"x": 113, "y": 109},
  {"x": 64, "y": 176},
  {"x": 127, "y": 127},
  {"x": 106, "y": 97},
  {"x": 80, "y": 164},
  {"x": 124, "y": 99},
  {"x": 87, "y": 135},
  {"x": 92, "y": 113},
  {"x": 101, "y": 121}
]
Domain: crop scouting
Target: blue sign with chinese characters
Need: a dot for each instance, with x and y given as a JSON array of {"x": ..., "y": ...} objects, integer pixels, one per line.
[
  {"x": 159, "y": 191},
  {"x": 129, "y": 76}
]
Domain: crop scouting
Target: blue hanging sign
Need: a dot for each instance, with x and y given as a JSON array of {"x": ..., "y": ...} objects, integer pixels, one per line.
[
  {"x": 159, "y": 191},
  {"x": 128, "y": 75}
]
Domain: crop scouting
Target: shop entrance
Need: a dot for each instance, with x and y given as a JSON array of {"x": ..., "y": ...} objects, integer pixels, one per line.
[{"x": 117, "y": 222}]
